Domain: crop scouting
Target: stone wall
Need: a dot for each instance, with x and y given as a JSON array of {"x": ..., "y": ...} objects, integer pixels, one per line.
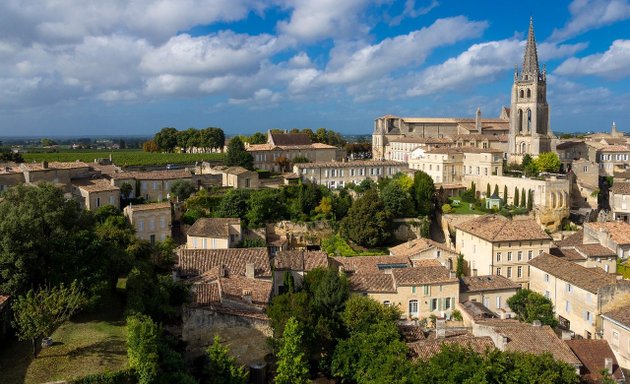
[{"x": 301, "y": 235}]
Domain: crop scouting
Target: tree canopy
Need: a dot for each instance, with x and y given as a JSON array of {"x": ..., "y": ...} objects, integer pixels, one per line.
[
  {"x": 530, "y": 306},
  {"x": 548, "y": 162},
  {"x": 237, "y": 155},
  {"x": 424, "y": 190},
  {"x": 368, "y": 221}
]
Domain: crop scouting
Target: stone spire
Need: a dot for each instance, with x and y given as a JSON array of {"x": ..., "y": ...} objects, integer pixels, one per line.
[{"x": 530, "y": 60}]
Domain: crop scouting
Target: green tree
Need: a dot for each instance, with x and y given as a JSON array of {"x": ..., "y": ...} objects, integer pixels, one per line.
[
  {"x": 397, "y": 201},
  {"x": 496, "y": 190},
  {"x": 424, "y": 189},
  {"x": 234, "y": 204},
  {"x": 516, "y": 200},
  {"x": 368, "y": 221},
  {"x": 265, "y": 205},
  {"x": 258, "y": 138},
  {"x": 48, "y": 142},
  {"x": 342, "y": 201},
  {"x": 125, "y": 190},
  {"x": 548, "y": 162},
  {"x": 459, "y": 269},
  {"x": 361, "y": 312},
  {"x": 39, "y": 312},
  {"x": 142, "y": 347},
  {"x": 150, "y": 146},
  {"x": 505, "y": 194},
  {"x": 117, "y": 236},
  {"x": 488, "y": 190},
  {"x": 182, "y": 189},
  {"x": 530, "y": 200},
  {"x": 325, "y": 207},
  {"x": 530, "y": 306},
  {"x": 223, "y": 368},
  {"x": 365, "y": 185},
  {"x": 292, "y": 364},
  {"x": 166, "y": 139},
  {"x": 237, "y": 155},
  {"x": 523, "y": 198}
]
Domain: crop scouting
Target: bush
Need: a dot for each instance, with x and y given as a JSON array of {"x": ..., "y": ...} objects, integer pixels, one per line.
[
  {"x": 125, "y": 376},
  {"x": 457, "y": 315},
  {"x": 263, "y": 174},
  {"x": 446, "y": 208},
  {"x": 252, "y": 243},
  {"x": 468, "y": 196}
]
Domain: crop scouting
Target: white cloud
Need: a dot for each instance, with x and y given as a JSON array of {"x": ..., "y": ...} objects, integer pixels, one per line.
[
  {"x": 115, "y": 95},
  {"x": 351, "y": 63},
  {"x": 612, "y": 64},
  {"x": 591, "y": 14},
  {"x": 321, "y": 19},
  {"x": 261, "y": 98},
  {"x": 412, "y": 11}
]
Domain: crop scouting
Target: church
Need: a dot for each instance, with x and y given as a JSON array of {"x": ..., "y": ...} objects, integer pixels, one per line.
[{"x": 523, "y": 128}]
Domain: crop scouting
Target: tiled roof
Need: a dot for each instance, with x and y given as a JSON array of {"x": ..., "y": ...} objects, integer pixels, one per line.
[
  {"x": 620, "y": 315},
  {"x": 235, "y": 286},
  {"x": 590, "y": 279},
  {"x": 480, "y": 150},
  {"x": 53, "y": 165},
  {"x": 595, "y": 250},
  {"x": 236, "y": 170},
  {"x": 206, "y": 293},
  {"x": 523, "y": 337},
  {"x": 411, "y": 332},
  {"x": 154, "y": 175},
  {"x": 422, "y": 275},
  {"x": 621, "y": 188},
  {"x": 486, "y": 283},
  {"x": 479, "y": 137},
  {"x": 300, "y": 260},
  {"x": 376, "y": 282},
  {"x": 192, "y": 262},
  {"x": 422, "y": 140},
  {"x": 571, "y": 240},
  {"x": 619, "y": 231},
  {"x": 592, "y": 353},
  {"x": 289, "y": 138},
  {"x": 365, "y": 264},
  {"x": 4, "y": 299},
  {"x": 614, "y": 148},
  {"x": 151, "y": 206},
  {"x": 569, "y": 144},
  {"x": 351, "y": 164},
  {"x": 416, "y": 246},
  {"x": 269, "y": 147},
  {"x": 213, "y": 227},
  {"x": 567, "y": 253},
  {"x": 95, "y": 185},
  {"x": 496, "y": 228},
  {"x": 477, "y": 311},
  {"x": 426, "y": 349}
]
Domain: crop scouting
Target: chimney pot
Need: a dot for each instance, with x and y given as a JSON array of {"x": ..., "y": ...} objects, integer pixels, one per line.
[
  {"x": 608, "y": 365},
  {"x": 250, "y": 270}
]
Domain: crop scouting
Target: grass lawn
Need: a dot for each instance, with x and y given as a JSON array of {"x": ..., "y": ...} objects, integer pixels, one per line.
[
  {"x": 464, "y": 208},
  {"x": 90, "y": 343},
  {"x": 124, "y": 157}
]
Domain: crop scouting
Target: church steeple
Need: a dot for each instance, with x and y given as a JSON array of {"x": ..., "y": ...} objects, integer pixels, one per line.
[{"x": 530, "y": 59}]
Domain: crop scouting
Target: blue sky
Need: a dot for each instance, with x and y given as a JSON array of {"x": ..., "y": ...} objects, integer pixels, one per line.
[{"x": 131, "y": 67}]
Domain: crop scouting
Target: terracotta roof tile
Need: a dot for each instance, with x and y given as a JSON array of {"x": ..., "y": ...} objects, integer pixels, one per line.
[
  {"x": 95, "y": 185},
  {"x": 53, "y": 165},
  {"x": 621, "y": 188},
  {"x": 365, "y": 264},
  {"x": 567, "y": 253},
  {"x": 372, "y": 282},
  {"x": 422, "y": 140},
  {"x": 592, "y": 354},
  {"x": 590, "y": 279},
  {"x": 496, "y": 228},
  {"x": 213, "y": 227},
  {"x": 571, "y": 240},
  {"x": 615, "y": 148},
  {"x": 486, "y": 283},
  {"x": 416, "y": 246},
  {"x": 426, "y": 349},
  {"x": 155, "y": 175},
  {"x": 350, "y": 164},
  {"x": 289, "y": 139},
  {"x": 620, "y": 315},
  {"x": 422, "y": 276},
  {"x": 194, "y": 262},
  {"x": 411, "y": 332},
  {"x": 619, "y": 231},
  {"x": 151, "y": 206},
  {"x": 300, "y": 260},
  {"x": 595, "y": 250}
]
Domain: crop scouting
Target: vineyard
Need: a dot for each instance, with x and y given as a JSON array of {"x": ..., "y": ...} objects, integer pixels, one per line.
[{"x": 124, "y": 157}]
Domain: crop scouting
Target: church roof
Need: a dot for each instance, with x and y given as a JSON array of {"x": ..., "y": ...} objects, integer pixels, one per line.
[{"x": 530, "y": 60}]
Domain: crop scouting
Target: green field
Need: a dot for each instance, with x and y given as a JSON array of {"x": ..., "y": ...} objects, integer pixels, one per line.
[{"x": 124, "y": 157}]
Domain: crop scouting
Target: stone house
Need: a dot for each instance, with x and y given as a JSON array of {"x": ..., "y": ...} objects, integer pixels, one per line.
[
  {"x": 214, "y": 233},
  {"x": 402, "y": 147},
  {"x": 616, "y": 331},
  {"x": 239, "y": 177},
  {"x": 298, "y": 263},
  {"x": 420, "y": 288},
  {"x": 578, "y": 293},
  {"x": 421, "y": 248},
  {"x": 490, "y": 290},
  {"x": 585, "y": 185},
  {"x": 95, "y": 193},
  {"x": 620, "y": 200},
  {"x": 58, "y": 173},
  {"x": 152, "y": 222},
  {"x": 496, "y": 245},
  {"x": 339, "y": 174},
  {"x": 596, "y": 356},
  {"x": 10, "y": 175},
  {"x": 612, "y": 158},
  {"x": 585, "y": 252},
  {"x": 570, "y": 150},
  {"x": 444, "y": 165},
  {"x": 152, "y": 185},
  {"x": 613, "y": 234}
]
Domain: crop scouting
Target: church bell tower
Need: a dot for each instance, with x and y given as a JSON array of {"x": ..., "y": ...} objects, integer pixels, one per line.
[{"x": 529, "y": 113}]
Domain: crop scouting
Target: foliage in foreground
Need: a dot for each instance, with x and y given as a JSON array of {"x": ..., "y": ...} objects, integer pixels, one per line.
[
  {"x": 222, "y": 368},
  {"x": 292, "y": 364},
  {"x": 530, "y": 306}
]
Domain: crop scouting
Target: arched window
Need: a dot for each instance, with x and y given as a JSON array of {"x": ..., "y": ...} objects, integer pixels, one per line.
[
  {"x": 529, "y": 93},
  {"x": 520, "y": 120},
  {"x": 529, "y": 120},
  {"x": 522, "y": 94}
]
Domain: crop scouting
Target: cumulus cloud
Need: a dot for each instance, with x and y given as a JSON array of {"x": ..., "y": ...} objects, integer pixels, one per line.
[
  {"x": 612, "y": 64},
  {"x": 590, "y": 14},
  {"x": 412, "y": 11}
]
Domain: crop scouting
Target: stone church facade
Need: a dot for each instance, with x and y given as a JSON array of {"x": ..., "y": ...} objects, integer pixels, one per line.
[{"x": 524, "y": 127}]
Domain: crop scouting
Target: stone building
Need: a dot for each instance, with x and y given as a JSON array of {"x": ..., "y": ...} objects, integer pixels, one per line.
[
  {"x": 620, "y": 200},
  {"x": 613, "y": 234},
  {"x": 496, "y": 245},
  {"x": 338, "y": 174},
  {"x": 298, "y": 263},
  {"x": 95, "y": 193},
  {"x": 422, "y": 249},
  {"x": 152, "y": 185},
  {"x": 450, "y": 165},
  {"x": 152, "y": 222},
  {"x": 613, "y": 158},
  {"x": 214, "y": 233},
  {"x": 492, "y": 291},
  {"x": 616, "y": 330}
]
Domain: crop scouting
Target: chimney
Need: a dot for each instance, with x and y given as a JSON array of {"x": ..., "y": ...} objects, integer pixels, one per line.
[
  {"x": 451, "y": 274},
  {"x": 536, "y": 323},
  {"x": 608, "y": 365},
  {"x": 250, "y": 269},
  {"x": 566, "y": 335},
  {"x": 45, "y": 164},
  {"x": 478, "y": 120},
  {"x": 504, "y": 342},
  {"x": 247, "y": 296}
]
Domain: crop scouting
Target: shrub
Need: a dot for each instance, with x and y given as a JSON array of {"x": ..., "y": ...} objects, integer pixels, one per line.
[
  {"x": 125, "y": 376},
  {"x": 457, "y": 315},
  {"x": 446, "y": 208}
]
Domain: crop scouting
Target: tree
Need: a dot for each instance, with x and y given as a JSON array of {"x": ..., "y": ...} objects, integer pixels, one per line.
[
  {"x": 488, "y": 190},
  {"x": 142, "y": 347},
  {"x": 223, "y": 368},
  {"x": 166, "y": 139},
  {"x": 39, "y": 312},
  {"x": 505, "y": 194},
  {"x": 367, "y": 222},
  {"x": 292, "y": 364},
  {"x": 182, "y": 189},
  {"x": 237, "y": 155},
  {"x": 117, "y": 236},
  {"x": 48, "y": 142},
  {"x": 361, "y": 312},
  {"x": 423, "y": 192},
  {"x": 397, "y": 201},
  {"x": 516, "y": 200},
  {"x": 530, "y": 200},
  {"x": 233, "y": 204},
  {"x": 283, "y": 163},
  {"x": 547, "y": 162},
  {"x": 150, "y": 146},
  {"x": 530, "y": 306},
  {"x": 264, "y": 205},
  {"x": 125, "y": 190},
  {"x": 523, "y": 198},
  {"x": 459, "y": 269},
  {"x": 325, "y": 208},
  {"x": 258, "y": 138},
  {"x": 496, "y": 190}
]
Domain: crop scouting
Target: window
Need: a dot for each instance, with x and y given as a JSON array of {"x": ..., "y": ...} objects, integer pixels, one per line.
[
  {"x": 155, "y": 185},
  {"x": 509, "y": 257},
  {"x": 498, "y": 256},
  {"x": 141, "y": 226},
  {"x": 509, "y": 272},
  {"x": 519, "y": 271},
  {"x": 98, "y": 202},
  {"x": 546, "y": 277},
  {"x": 387, "y": 303},
  {"x": 567, "y": 306},
  {"x": 434, "y": 304},
  {"x": 547, "y": 294},
  {"x": 151, "y": 224},
  {"x": 204, "y": 243},
  {"x": 152, "y": 239},
  {"x": 447, "y": 303},
  {"x": 111, "y": 200},
  {"x": 214, "y": 243},
  {"x": 413, "y": 289},
  {"x": 413, "y": 307},
  {"x": 498, "y": 271},
  {"x": 615, "y": 339},
  {"x": 588, "y": 317},
  {"x": 569, "y": 288},
  {"x": 530, "y": 254},
  {"x": 519, "y": 255},
  {"x": 427, "y": 290}
]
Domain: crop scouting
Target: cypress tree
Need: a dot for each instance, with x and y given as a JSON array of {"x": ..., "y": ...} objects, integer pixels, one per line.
[
  {"x": 488, "y": 190},
  {"x": 496, "y": 190},
  {"x": 530, "y": 200},
  {"x": 515, "y": 202},
  {"x": 523, "y": 198},
  {"x": 505, "y": 194}
]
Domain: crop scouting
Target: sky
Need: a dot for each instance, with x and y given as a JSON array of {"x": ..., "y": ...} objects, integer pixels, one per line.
[{"x": 131, "y": 67}]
